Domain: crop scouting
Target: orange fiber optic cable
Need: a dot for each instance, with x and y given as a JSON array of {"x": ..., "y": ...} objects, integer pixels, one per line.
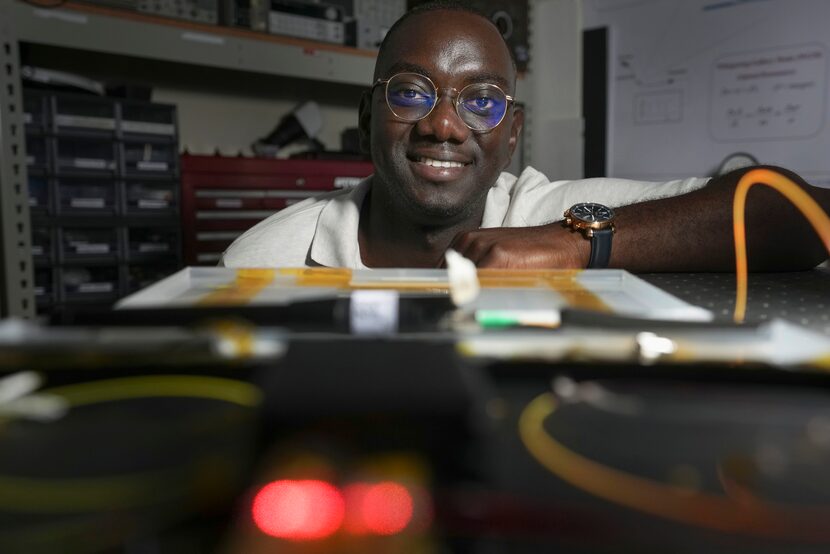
[{"x": 809, "y": 207}]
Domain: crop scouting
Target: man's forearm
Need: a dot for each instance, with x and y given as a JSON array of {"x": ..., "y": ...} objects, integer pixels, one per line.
[{"x": 694, "y": 232}]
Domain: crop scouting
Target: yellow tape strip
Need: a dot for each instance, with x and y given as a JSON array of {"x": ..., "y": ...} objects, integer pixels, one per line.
[
  {"x": 564, "y": 282},
  {"x": 319, "y": 276},
  {"x": 247, "y": 284},
  {"x": 240, "y": 334},
  {"x": 250, "y": 282}
]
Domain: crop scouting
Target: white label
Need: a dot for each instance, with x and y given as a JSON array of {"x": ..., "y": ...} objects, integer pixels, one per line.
[
  {"x": 91, "y": 248},
  {"x": 209, "y": 257},
  {"x": 40, "y": 291},
  {"x": 148, "y": 128},
  {"x": 228, "y": 203},
  {"x": 151, "y": 166},
  {"x": 145, "y": 247},
  {"x": 33, "y": 202},
  {"x": 105, "y": 123},
  {"x": 27, "y": 118},
  {"x": 37, "y": 250},
  {"x": 152, "y": 204},
  {"x": 374, "y": 312},
  {"x": 90, "y": 163},
  {"x": 346, "y": 182},
  {"x": 89, "y": 203},
  {"x": 30, "y": 160},
  {"x": 95, "y": 287}
]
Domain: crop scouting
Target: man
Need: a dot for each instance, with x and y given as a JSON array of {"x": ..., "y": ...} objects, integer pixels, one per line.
[{"x": 441, "y": 126}]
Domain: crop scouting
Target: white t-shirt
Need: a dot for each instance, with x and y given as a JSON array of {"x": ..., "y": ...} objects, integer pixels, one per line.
[{"x": 322, "y": 231}]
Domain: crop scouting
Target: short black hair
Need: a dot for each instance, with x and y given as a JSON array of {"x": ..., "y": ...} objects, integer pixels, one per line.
[{"x": 436, "y": 5}]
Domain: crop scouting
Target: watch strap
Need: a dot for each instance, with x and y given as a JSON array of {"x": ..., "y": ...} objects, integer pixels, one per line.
[{"x": 600, "y": 249}]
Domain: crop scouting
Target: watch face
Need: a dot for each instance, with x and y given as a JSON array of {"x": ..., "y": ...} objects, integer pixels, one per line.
[{"x": 590, "y": 212}]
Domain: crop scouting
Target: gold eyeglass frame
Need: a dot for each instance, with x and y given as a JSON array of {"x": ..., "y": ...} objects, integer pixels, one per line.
[{"x": 458, "y": 93}]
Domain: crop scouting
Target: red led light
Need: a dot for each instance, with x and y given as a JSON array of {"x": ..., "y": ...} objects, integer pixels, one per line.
[
  {"x": 298, "y": 510},
  {"x": 382, "y": 508}
]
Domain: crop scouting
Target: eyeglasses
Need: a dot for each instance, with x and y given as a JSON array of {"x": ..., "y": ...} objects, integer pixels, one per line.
[{"x": 411, "y": 97}]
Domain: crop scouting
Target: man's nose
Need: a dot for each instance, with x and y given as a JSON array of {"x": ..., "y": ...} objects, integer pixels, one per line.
[{"x": 443, "y": 122}]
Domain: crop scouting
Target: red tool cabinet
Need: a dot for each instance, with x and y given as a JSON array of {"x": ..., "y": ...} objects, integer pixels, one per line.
[{"x": 222, "y": 196}]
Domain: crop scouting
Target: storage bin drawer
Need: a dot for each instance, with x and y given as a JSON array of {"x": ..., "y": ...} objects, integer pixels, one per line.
[
  {"x": 86, "y": 196},
  {"x": 77, "y": 154},
  {"x": 39, "y": 194},
  {"x": 138, "y": 119},
  {"x": 90, "y": 283},
  {"x": 42, "y": 244},
  {"x": 84, "y": 113},
  {"x": 44, "y": 285},
  {"x": 152, "y": 198},
  {"x": 150, "y": 158},
  {"x": 34, "y": 111},
  {"x": 37, "y": 152},
  {"x": 144, "y": 242},
  {"x": 89, "y": 242}
]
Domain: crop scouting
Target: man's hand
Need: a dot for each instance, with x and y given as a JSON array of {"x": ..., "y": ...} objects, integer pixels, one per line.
[{"x": 546, "y": 246}]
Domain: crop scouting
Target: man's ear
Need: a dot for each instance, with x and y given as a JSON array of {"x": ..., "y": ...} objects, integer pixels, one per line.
[
  {"x": 515, "y": 130},
  {"x": 364, "y": 121}
]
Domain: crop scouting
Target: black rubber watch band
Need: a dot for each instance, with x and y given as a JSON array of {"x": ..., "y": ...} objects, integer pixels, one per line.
[{"x": 600, "y": 249}]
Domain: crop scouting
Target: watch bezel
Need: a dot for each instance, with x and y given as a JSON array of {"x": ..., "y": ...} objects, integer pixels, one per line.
[{"x": 588, "y": 227}]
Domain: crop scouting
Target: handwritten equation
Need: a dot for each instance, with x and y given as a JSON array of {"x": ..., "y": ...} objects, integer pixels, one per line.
[{"x": 770, "y": 94}]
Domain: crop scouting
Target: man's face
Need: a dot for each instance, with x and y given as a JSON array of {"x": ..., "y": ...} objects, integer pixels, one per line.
[{"x": 454, "y": 49}]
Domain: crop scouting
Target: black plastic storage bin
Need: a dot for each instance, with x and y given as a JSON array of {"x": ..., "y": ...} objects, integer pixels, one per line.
[
  {"x": 35, "y": 112},
  {"x": 151, "y": 198},
  {"x": 37, "y": 153},
  {"x": 149, "y": 158},
  {"x": 89, "y": 243},
  {"x": 86, "y": 195},
  {"x": 151, "y": 242},
  {"x": 39, "y": 194},
  {"x": 90, "y": 283},
  {"x": 91, "y": 115},
  {"x": 141, "y": 120},
  {"x": 85, "y": 155}
]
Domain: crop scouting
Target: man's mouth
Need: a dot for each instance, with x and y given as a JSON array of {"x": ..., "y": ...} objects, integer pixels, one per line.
[
  {"x": 439, "y": 163},
  {"x": 438, "y": 171}
]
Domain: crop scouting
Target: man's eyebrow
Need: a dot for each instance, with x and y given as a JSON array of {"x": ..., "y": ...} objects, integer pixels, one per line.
[
  {"x": 493, "y": 78},
  {"x": 407, "y": 67}
]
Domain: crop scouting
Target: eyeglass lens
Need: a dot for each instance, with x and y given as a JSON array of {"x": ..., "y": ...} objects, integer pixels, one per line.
[{"x": 411, "y": 97}]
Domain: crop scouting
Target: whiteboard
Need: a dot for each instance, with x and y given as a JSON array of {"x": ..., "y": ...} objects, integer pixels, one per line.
[{"x": 692, "y": 81}]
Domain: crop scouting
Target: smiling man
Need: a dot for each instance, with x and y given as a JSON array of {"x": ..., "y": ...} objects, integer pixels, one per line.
[{"x": 441, "y": 124}]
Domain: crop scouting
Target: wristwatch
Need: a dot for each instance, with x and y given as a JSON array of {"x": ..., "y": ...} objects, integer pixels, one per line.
[{"x": 595, "y": 222}]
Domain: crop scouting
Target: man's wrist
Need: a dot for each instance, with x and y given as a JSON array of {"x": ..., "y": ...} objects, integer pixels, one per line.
[{"x": 572, "y": 242}]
